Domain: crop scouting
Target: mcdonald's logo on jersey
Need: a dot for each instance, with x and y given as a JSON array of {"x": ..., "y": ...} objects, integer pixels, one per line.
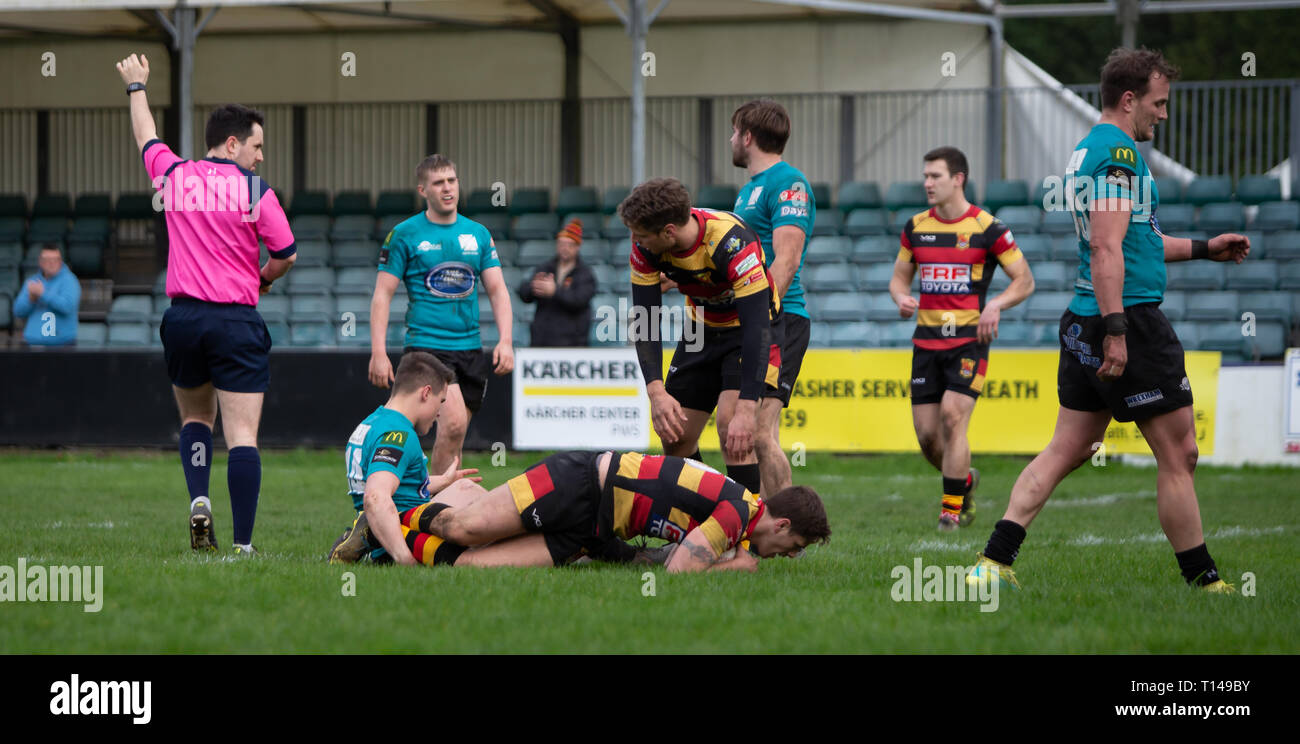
[
  {"x": 1124, "y": 155},
  {"x": 394, "y": 437}
]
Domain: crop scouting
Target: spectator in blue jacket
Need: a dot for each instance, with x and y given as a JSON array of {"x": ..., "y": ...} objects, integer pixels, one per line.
[{"x": 49, "y": 300}]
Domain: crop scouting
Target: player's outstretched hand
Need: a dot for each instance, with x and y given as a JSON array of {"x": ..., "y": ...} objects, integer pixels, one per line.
[
  {"x": 740, "y": 432},
  {"x": 907, "y": 307},
  {"x": 1115, "y": 350},
  {"x": 667, "y": 416},
  {"x": 503, "y": 358},
  {"x": 381, "y": 371},
  {"x": 988, "y": 328},
  {"x": 1229, "y": 247},
  {"x": 134, "y": 69},
  {"x": 450, "y": 476}
]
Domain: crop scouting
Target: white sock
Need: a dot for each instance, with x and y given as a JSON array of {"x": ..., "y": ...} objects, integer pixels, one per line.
[{"x": 202, "y": 500}]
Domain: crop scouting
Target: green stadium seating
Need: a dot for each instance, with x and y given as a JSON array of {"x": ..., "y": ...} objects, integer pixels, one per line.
[
  {"x": 717, "y": 196},
  {"x": 91, "y": 335},
  {"x": 1214, "y": 306},
  {"x": 896, "y": 334},
  {"x": 310, "y": 202},
  {"x": 1052, "y": 276},
  {"x": 874, "y": 278},
  {"x": 1258, "y": 189},
  {"x": 485, "y": 314},
  {"x": 357, "y": 336},
  {"x": 47, "y": 230},
  {"x": 577, "y": 199},
  {"x": 353, "y": 203},
  {"x": 1044, "y": 307},
  {"x": 900, "y": 217},
  {"x": 310, "y": 252},
  {"x": 875, "y": 249},
  {"x": 612, "y": 197},
  {"x": 1006, "y": 194},
  {"x": 507, "y": 252},
  {"x": 1208, "y": 189},
  {"x": 13, "y": 229},
  {"x": 594, "y": 250},
  {"x": 396, "y": 204},
  {"x": 352, "y": 302},
  {"x": 479, "y": 202},
  {"x": 311, "y": 334},
  {"x": 858, "y": 335},
  {"x": 310, "y": 227},
  {"x": 512, "y": 275},
  {"x": 903, "y": 194},
  {"x": 386, "y": 225},
  {"x": 86, "y": 257},
  {"x": 1035, "y": 247},
  {"x": 1016, "y": 334},
  {"x": 535, "y": 226},
  {"x": 1277, "y": 215},
  {"x": 1270, "y": 306},
  {"x": 1269, "y": 341},
  {"x": 1283, "y": 246},
  {"x": 1176, "y": 219},
  {"x": 880, "y": 307},
  {"x": 841, "y": 306},
  {"x": 311, "y": 308},
  {"x": 828, "y": 222},
  {"x": 1170, "y": 191},
  {"x": 1195, "y": 275},
  {"x": 311, "y": 280},
  {"x": 160, "y": 305},
  {"x": 135, "y": 206},
  {"x": 1222, "y": 217},
  {"x": 1057, "y": 222},
  {"x": 497, "y": 223},
  {"x": 1224, "y": 337},
  {"x": 529, "y": 201},
  {"x": 862, "y": 222},
  {"x": 274, "y": 308},
  {"x": 360, "y": 279},
  {"x": 130, "y": 309},
  {"x": 11, "y": 255},
  {"x": 820, "y": 336},
  {"x": 533, "y": 253},
  {"x": 830, "y": 277},
  {"x": 614, "y": 229},
  {"x": 128, "y": 334},
  {"x": 821, "y": 192},
  {"x": 856, "y": 195},
  {"x": 827, "y": 249},
  {"x": 352, "y": 227},
  {"x": 1021, "y": 219},
  {"x": 611, "y": 277},
  {"x": 93, "y": 205},
  {"x": 1174, "y": 305},
  {"x": 89, "y": 229},
  {"x": 1188, "y": 333},
  {"x": 1259, "y": 276},
  {"x": 52, "y": 205},
  {"x": 353, "y": 253},
  {"x": 13, "y": 205}
]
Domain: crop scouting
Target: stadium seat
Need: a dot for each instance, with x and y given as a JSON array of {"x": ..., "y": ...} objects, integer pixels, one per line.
[
  {"x": 311, "y": 308},
  {"x": 311, "y": 334},
  {"x": 92, "y": 335},
  {"x": 1222, "y": 217},
  {"x": 358, "y": 279},
  {"x": 386, "y": 225},
  {"x": 513, "y": 276},
  {"x": 311, "y": 280},
  {"x": 128, "y": 334},
  {"x": 612, "y": 197},
  {"x": 831, "y": 277},
  {"x": 1213, "y": 306},
  {"x": 86, "y": 258},
  {"x": 135, "y": 206},
  {"x": 1174, "y": 305},
  {"x": 859, "y": 335},
  {"x": 1001, "y": 281},
  {"x": 396, "y": 335},
  {"x": 819, "y": 337},
  {"x": 1289, "y": 276},
  {"x": 862, "y": 222},
  {"x": 1044, "y": 307},
  {"x": 1282, "y": 246},
  {"x": 310, "y": 203},
  {"x": 279, "y": 332},
  {"x": 530, "y": 201},
  {"x": 1057, "y": 222},
  {"x": 577, "y": 199},
  {"x": 397, "y": 308},
  {"x": 1176, "y": 219},
  {"x": 1253, "y": 275},
  {"x": 1015, "y": 334},
  {"x": 840, "y": 306},
  {"x": 274, "y": 308},
  {"x": 614, "y": 229},
  {"x": 93, "y": 205},
  {"x": 354, "y": 335},
  {"x": 1258, "y": 189},
  {"x": 1188, "y": 333},
  {"x": 875, "y": 249},
  {"x": 536, "y": 226},
  {"x": 524, "y": 312},
  {"x": 827, "y": 223},
  {"x": 827, "y": 249},
  {"x": 1225, "y": 337},
  {"x": 6, "y": 309},
  {"x": 1051, "y": 276},
  {"x": 13, "y": 205},
  {"x": 899, "y": 219},
  {"x": 352, "y": 227},
  {"x": 310, "y": 252},
  {"x": 310, "y": 227},
  {"x": 1277, "y": 215},
  {"x": 11, "y": 254},
  {"x": 880, "y": 307},
  {"x": 497, "y": 223},
  {"x": 353, "y": 203},
  {"x": 896, "y": 334},
  {"x": 1258, "y": 249},
  {"x": 396, "y": 204},
  {"x": 478, "y": 202},
  {"x": 51, "y": 205},
  {"x": 51, "y": 229},
  {"x": 1170, "y": 190},
  {"x": 875, "y": 278},
  {"x": 1269, "y": 341},
  {"x": 855, "y": 195},
  {"x": 1006, "y": 193},
  {"x": 534, "y": 253},
  {"x": 1035, "y": 247},
  {"x": 351, "y": 302},
  {"x": 507, "y": 252},
  {"x": 354, "y": 253},
  {"x": 901, "y": 194},
  {"x": 609, "y": 277},
  {"x": 1021, "y": 219},
  {"x": 1195, "y": 275},
  {"x": 130, "y": 309},
  {"x": 1268, "y": 306},
  {"x": 593, "y": 250},
  {"x": 11, "y": 279},
  {"x": 1208, "y": 189},
  {"x": 13, "y": 229},
  {"x": 717, "y": 196},
  {"x": 160, "y": 305},
  {"x": 821, "y": 195}
]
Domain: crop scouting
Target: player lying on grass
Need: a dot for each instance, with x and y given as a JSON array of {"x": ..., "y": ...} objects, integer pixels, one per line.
[{"x": 589, "y": 502}]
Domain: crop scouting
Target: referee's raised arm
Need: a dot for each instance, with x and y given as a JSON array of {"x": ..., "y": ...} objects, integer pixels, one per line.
[{"x": 135, "y": 73}]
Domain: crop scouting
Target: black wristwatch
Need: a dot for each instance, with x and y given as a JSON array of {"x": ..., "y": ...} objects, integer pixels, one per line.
[{"x": 133, "y": 87}]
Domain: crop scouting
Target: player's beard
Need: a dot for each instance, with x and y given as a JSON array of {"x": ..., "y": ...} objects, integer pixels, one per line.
[{"x": 739, "y": 157}]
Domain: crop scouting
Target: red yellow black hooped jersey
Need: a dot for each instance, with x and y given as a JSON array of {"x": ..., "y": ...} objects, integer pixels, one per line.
[
  {"x": 956, "y": 260},
  {"x": 668, "y": 497},
  {"x": 725, "y": 263}
]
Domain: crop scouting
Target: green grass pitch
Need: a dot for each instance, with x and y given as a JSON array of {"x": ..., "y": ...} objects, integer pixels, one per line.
[{"x": 1098, "y": 575}]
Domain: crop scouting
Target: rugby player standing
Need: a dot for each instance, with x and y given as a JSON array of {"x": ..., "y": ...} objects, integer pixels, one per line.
[
  {"x": 441, "y": 256},
  {"x": 1119, "y": 355},
  {"x": 215, "y": 342},
  {"x": 777, "y": 204},
  {"x": 956, "y": 246}
]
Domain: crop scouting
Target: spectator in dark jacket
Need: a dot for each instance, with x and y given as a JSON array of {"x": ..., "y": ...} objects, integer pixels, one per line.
[{"x": 562, "y": 288}]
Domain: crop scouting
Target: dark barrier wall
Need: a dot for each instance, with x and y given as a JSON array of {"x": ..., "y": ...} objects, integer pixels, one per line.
[{"x": 124, "y": 398}]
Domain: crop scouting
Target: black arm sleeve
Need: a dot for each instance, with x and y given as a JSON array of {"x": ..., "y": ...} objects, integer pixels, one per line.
[
  {"x": 649, "y": 352},
  {"x": 756, "y": 339}
]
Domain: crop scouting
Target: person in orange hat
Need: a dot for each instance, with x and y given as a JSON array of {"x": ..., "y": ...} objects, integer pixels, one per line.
[{"x": 562, "y": 288}]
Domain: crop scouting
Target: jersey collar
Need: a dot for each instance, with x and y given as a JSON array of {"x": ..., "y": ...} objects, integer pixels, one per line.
[{"x": 971, "y": 211}]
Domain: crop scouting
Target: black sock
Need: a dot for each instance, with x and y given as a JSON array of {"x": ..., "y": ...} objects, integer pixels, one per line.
[
  {"x": 426, "y": 516},
  {"x": 1004, "y": 543},
  {"x": 244, "y": 478},
  {"x": 696, "y": 455},
  {"x": 746, "y": 475},
  {"x": 196, "y": 457},
  {"x": 1197, "y": 566}
]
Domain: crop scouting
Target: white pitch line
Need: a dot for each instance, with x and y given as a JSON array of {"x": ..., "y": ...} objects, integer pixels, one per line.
[
  {"x": 1223, "y": 533},
  {"x": 1104, "y": 499}
]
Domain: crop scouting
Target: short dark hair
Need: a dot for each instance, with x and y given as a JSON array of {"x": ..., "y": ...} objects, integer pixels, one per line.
[
  {"x": 420, "y": 368},
  {"x": 655, "y": 204},
  {"x": 434, "y": 162},
  {"x": 52, "y": 247},
  {"x": 767, "y": 120},
  {"x": 803, "y": 507},
  {"x": 229, "y": 120},
  {"x": 1131, "y": 69},
  {"x": 955, "y": 160}
]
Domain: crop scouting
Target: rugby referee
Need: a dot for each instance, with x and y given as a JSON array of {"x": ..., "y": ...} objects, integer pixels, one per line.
[
  {"x": 1119, "y": 356},
  {"x": 215, "y": 342}
]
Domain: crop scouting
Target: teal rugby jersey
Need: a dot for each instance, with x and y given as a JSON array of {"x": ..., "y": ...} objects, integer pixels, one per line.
[
  {"x": 773, "y": 198},
  {"x": 1107, "y": 164},
  {"x": 441, "y": 266},
  {"x": 386, "y": 441}
]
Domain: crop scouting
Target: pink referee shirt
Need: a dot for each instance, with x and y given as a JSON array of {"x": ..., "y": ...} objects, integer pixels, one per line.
[{"x": 212, "y": 231}]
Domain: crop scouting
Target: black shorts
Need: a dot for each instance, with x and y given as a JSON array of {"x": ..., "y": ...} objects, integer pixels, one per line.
[
  {"x": 696, "y": 378},
  {"x": 472, "y": 369},
  {"x": 961, "y": 370},
  {"x": 227, "y": 345},
  {"x": 795, "y": 336},
  {"x": 1154, "y": 380},
  {"x": 560, "y": 497}
]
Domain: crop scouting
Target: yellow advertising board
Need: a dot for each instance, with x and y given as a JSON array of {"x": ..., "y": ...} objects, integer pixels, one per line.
[{"x": 858, "y": 401}]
